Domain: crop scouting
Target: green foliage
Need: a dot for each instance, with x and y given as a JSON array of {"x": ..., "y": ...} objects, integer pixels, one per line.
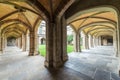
[{"x": 69, "y": 38}]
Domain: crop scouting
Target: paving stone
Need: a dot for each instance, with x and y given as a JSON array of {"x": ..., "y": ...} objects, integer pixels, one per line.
[
  {"x": 115, "y": 76},
  {"x": 16, "y": 65},
  {"x": 102, "y": 75}
]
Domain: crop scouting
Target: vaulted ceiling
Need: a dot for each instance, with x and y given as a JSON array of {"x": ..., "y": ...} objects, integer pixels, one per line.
[
  {"x": 95, "y": 22},
  {"x": 19, "y": 16},
  {"x": 16, "y": 17}
]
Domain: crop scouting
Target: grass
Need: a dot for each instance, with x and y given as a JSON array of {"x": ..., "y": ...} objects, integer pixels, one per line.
[
  {"x": 70, "y": 48},
  {"x": 42, "y": 49}
]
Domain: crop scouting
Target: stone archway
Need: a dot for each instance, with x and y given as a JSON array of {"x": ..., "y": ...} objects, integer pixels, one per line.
[
  {"x": 94, "y": 28},
  {"x": 11, "y": 41}
]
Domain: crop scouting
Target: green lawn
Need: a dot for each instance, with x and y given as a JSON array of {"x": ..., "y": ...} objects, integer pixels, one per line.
[
  {"x": 42, "y": 49},
  {"x": 70, "y": 48}
]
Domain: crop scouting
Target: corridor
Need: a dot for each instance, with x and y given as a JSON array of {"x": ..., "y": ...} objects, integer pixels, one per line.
[{"x": 97, "y": 63}]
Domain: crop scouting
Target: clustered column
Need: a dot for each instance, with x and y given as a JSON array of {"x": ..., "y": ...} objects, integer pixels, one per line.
[
  {"x": 77, "y": 46},
  {"x": 31, "y": 51},
  {"x": 56, "y": 44},
  {"x": 24, "y": 42},
  {"x": 0, "y": 44}
]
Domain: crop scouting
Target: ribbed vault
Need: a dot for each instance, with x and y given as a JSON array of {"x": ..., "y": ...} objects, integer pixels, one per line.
[{"x": 95, "y": 22}]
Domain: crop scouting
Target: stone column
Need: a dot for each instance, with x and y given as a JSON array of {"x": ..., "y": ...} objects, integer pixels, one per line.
[
  {"x": 16, "y": 42},
  {"x": 86, "y": 42},
  {"x": 5, "y": 45},
  {"x": 94, "y": 41},
  {"x": 36, "y": 44},
  {"x": 118, "y": 40},
  {"x": 79, "y": 41},
  {"x": 64, "y": 39},
  {"x": 23, "y": 42},
  {"x": 91, "y": 41},
  {"x": 27, "y": 42},
  {"x": 77, "y": 47},
  {"x": 32, "y": 46},
  {"x": 55, "y": 43},
  {"x": 75, "y": 42},
  {"x": 20, "y": 42},
  {"x": 49, "y": 44},
  {"x": 1, "y": 44},
  {"x": 99, "y": 40},
  {"x": 57, "y": 39},
  {"x": 83, "y": 39},
  {"x": 115, "y": 43}
]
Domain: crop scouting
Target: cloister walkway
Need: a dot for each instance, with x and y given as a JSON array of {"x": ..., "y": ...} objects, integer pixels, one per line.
[{"x": 95, "y": 64}]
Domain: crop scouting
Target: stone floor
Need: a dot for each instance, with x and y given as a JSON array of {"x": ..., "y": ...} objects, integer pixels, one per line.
[{"x": 95, "y": 64}]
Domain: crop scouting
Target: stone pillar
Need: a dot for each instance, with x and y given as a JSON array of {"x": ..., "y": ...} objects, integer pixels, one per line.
[
  {"x": 83, "y": 39},
  {"x": 115, "y": 43},
  {"x": 55, "y": 43},
  {"x": 27, "y": 42},
  {"x": 16, "y": 42},
  {"x": 20, "y": 42},
  {"x": 23, "y": 42},
  {"x": 86, "y": 42},
  {"x": 1, "y": 44},
  {"x": 57, "y": 39},
  {"x": 94, "y": 41},
  {"x": 36, "y": 44},
  {"x": 75, "y": 42},
  {"x": 32, "y": 46},
  {"x": 64, "y": 39},
  {"x": 5, "y": 45},
  {"x": 91, "y": 41},
  {"x": 79, "y": 41},
  {"x": 99, "y": 40},
  {"x": 77, "y": 47},
  {"x": 118, "y": 40},
  {"x": 49, "y": 44}
]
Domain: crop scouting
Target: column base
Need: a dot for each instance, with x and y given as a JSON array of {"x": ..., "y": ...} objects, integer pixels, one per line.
[
  {"x": 65, "y": 58},
  {"x": 36, "y": 53},
  {"x": 48, "y": 64},
  {"x": 53, "y": 64},
  {"x": 57, "y": 64},
  {"x": 31, "y": 54}
]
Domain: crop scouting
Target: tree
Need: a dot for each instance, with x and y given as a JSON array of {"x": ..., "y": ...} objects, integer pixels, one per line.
[{"x": 69, "y": 39}]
